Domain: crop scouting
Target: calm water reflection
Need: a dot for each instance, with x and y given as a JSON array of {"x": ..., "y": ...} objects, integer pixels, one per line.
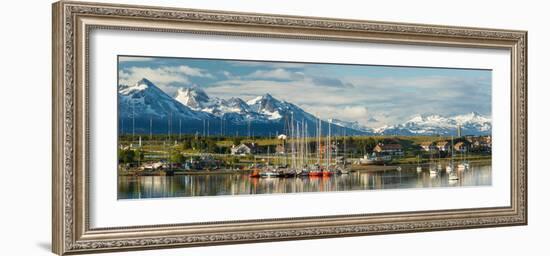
[{"x": 237, "y": 184}]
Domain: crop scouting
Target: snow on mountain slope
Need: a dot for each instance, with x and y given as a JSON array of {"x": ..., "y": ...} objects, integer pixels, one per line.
[
  {"x": 276, "y": 109},
  {"x": 471, "y": 124},
  {"x": 144, "y": 100},
  {"x": 233, "y": 109}
]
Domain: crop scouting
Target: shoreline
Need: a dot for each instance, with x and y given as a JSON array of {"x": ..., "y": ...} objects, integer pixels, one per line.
[{"x": 354, "y": 168}]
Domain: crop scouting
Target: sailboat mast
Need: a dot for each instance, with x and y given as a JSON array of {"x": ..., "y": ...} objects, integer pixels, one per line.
[
  {"x": 319, "y": 132},
  {"x": 306, "y": 143},
  {"x": 344, "y": 146},
  {"x": 133, "y": 121},
  {"x": 329, "y": 143},
  {"x": 452, "y": 149}
]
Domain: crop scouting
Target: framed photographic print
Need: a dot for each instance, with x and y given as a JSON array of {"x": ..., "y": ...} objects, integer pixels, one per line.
[{"x": 179, "y": 127}]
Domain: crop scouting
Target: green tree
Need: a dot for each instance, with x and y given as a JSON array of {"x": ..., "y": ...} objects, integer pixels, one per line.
[
  {"x": 177, "y": 157},
  {"x": 212, "y": 147},
  {"x": 126, "y": 156},
  {"x": 237, "y": 141},
  {"x": 186, "y": 144},
  {"x": 370, "y": 144}
]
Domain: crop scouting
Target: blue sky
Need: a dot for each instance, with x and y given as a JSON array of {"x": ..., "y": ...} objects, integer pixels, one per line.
[{"x": 372, "y": 95}]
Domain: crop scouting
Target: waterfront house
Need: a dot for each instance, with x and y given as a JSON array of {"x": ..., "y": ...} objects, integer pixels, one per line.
[
  {"x": 480, "y": 143},
  {"x": 388, "y": 149},
  {"x": 443, "y": 146},
  {"x": 428, "y": 146},
  {"x": 244, "y": 149},
  {"x": 461, "y": 147}
]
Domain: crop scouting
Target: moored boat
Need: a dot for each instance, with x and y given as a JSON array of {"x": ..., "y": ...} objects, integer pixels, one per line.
[{"x": 255, "y": 173}]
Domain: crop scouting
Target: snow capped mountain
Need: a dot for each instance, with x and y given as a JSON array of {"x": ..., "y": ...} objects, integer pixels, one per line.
[
  {"x": 276, "y": 109},
  {"x": 197, "y": 99},
  {"x": 194, "y": 98},
  {"x": 233, "y": 109},
  {"x": 144, "y": 99},
  {"x": 238, "y": 105},
  {"x": 470, "y": 124},
  {"x": 268, "y": 106},
  {"x": 147, "y": 108}
]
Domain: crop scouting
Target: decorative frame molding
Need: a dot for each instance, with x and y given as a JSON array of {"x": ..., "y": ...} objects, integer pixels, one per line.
[{"x": 72, "y": 23}]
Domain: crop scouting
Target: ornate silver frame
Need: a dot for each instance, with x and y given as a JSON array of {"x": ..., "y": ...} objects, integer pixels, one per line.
[{"x": 72, "y": 22}]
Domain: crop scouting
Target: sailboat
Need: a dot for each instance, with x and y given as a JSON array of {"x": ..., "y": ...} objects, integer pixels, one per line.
[
  {"x": 267, "y": 171},
  {"x": 450, "y": 166},
  {"x": 433, "y": 169},
  {"x": 464, "y": 165},
  {"x": 453, "y": 175},
  {"x": 327, "y": 172},
  {"x": 315, "y": 170}
]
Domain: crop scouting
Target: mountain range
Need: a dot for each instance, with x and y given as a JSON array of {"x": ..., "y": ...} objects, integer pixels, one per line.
[{"x": 144, "y": 108}]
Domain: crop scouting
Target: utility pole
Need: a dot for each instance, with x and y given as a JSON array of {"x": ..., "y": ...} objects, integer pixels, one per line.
[
  {"x": 151, "y": 128},
  {"x": 133, "y": 120}
]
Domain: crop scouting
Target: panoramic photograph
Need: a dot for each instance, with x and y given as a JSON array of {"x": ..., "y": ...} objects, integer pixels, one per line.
[{"x": 213, "y": 127}]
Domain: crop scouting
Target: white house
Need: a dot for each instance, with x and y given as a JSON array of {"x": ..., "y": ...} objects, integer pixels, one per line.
[{"x": 243, "y": 149}]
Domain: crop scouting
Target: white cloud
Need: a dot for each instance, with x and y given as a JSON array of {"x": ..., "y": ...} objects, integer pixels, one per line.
[
  {"x": 160, "y": 76},
  {"x": 163, "y": 76},
  {"x": 192, "y": 71},
  {"x": 389, "y": 100},
  {"x": 278, "y": 74},
  {"x": 227, "y": 74}
]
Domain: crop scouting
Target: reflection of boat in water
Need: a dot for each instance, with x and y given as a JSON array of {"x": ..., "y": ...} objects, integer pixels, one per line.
[
  {"x": 453, "y": 175},
  {"x": 255, "y": 173},
  {"x": 463, "y": 166},
  {"x": 434, "y": 170},
  {"x": 344, "y": 170},
  {"x": 418, "y": 167}
]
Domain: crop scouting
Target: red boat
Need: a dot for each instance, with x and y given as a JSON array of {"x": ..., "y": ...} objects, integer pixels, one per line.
[
  {"x": 315, "y": 173},
  {"x": 326, "y": 173},
  {"x": 255, "y": 174}
]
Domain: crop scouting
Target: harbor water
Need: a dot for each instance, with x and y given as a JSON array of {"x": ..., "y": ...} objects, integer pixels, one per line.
[
  {"x": 140, "y": 187},
  {"x": 137, "y": 187}
]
